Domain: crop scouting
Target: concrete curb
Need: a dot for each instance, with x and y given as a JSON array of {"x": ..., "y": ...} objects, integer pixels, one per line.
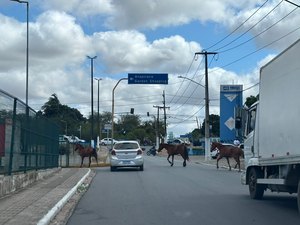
[{"x": 52, "y": 212}]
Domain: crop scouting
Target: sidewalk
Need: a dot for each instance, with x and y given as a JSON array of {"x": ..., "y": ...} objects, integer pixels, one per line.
[{"x": 39, "y": 203}]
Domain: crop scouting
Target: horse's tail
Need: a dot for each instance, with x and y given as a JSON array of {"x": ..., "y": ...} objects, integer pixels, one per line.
[
  {"x": 242, "y": 153},
  {"x": 186, "y": 153}
]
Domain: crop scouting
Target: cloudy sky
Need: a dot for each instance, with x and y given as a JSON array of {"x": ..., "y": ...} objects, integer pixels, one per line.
[{"x": 149, "y": 36}]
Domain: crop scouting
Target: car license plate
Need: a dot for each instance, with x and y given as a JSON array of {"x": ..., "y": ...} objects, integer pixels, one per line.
[{"x": 126, "y": 162}]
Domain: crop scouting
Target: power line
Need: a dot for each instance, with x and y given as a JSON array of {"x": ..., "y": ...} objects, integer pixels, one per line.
[
  {"x": 218, "y": 49},
  {"x": 251, "y": 53},
  {"x": 182, "y": 81},
  {"x": 234, "y": 47},
  {"x": 232, "y": 32}
]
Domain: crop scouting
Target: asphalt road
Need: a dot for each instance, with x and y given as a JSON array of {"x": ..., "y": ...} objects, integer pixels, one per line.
[{"x": 163, "y": 195}]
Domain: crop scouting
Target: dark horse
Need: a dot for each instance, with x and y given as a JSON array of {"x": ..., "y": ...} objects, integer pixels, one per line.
[
  {"x": 228, "y": 151},
  {"x": 172, "y": 150},
  {"x": 86, "y": 152}
]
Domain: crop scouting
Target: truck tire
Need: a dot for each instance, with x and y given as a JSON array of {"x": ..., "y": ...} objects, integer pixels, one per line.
[
  {"x": 256, "y": 190},
  {"x": 298, "y": 196}
]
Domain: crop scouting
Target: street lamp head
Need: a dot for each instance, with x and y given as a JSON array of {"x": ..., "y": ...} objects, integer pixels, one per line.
[
  {"x": 91, "y": 57},
  {"x": 98, "y": 79},
  {"x": 19, "y": 1}
]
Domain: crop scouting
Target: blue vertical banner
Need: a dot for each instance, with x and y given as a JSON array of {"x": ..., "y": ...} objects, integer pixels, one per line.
[{"x": 231, "y": 97}]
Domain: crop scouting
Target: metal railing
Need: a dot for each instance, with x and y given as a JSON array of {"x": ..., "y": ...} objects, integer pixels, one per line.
[{"x": 28, "y": 141}]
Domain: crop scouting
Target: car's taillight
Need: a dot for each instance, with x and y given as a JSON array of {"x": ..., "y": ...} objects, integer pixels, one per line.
[
  {"x": 113, "y": 152},
  {"x": 139, "y": 152}
]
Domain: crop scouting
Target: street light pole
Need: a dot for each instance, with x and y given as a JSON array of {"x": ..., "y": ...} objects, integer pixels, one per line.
[
  {"x": 92, "y": 100},
  {"x": 27, "y": 44},
  {"x": 98, "y": 116},
  {"x": 113, "y": 109}
]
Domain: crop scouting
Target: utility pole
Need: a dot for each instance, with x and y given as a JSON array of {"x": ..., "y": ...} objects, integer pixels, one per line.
[
  {"x": 165, "y": 115},
  {"x": 207, "y": 140},
  {"x": 157, "y": 124}
]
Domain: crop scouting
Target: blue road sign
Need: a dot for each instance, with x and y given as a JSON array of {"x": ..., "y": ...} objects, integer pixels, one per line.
[
  {"x": 231, "y": 96},
  {"x": 147, "y": 78}
]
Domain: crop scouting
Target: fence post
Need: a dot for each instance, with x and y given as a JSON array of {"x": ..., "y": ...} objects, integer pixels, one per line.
[{"x": 12, "y": 137}]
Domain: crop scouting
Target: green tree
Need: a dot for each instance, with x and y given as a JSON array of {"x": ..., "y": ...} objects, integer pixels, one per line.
[
  {"x": 214, "y": 123},
  {"x": 250, "y": 100},
  {"x": 69, "y": 119},
  {"x": 126, "y": 124},
  {"x": 104, "y": 118},
  {"x": 196, "y": 135}
]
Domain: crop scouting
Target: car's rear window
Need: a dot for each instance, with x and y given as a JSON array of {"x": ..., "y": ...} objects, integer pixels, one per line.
[{"x": 119, "y": 146}]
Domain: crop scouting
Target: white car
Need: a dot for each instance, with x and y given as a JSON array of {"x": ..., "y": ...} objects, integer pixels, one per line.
[
  {"x": 107, "y": 141},
  {"x": 214, "y": 154},
  {"x": 126, "y": 154},
  {"x": 73, "y": 139}
]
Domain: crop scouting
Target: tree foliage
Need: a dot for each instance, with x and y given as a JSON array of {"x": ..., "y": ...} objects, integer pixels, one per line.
[
  {"x": 251, "y": 99},
  {"x": 69, "y": 119},
  {"x": 129, "y": 126},
  {"x": 214, "y": 123}
]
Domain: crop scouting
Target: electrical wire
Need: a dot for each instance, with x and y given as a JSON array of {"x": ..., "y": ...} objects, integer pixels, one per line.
[
  {"x": 234, "y": 47},
  {"x": 257, "y": 50},
  {"x": 238, "y": 27},
  {"x": 237, "y": 38}
]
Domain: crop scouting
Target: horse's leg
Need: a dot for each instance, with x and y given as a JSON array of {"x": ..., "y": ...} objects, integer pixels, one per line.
[
  {"x": 218, "y": 158},
  {"x": 172, "y": 160},
  {"x": 95, "y": 154},
  {"x": 228, "y": 163},
  {"x": 238, "y": 163},
  {"x": 168, "y": 159},
  {"x": 96, "y": 157},
  {"x": 184, "y": 159},
  {"x": 90, "y": 159},
  {"x": 81, "y": 161}
]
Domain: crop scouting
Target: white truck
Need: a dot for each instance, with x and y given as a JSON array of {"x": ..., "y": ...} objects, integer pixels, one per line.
[{"x": 272, "y": 128}]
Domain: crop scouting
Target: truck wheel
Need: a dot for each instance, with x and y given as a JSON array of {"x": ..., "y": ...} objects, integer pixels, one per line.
[
  {"x": 298, "y": 196},
  {"x": 256, "y": 190}
]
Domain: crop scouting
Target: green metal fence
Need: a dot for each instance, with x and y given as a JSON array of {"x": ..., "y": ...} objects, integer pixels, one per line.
[{"x": 28, "y": 141}]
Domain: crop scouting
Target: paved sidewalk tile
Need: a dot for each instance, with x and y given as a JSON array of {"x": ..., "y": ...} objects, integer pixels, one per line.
[{"x": 28, "y": 206}]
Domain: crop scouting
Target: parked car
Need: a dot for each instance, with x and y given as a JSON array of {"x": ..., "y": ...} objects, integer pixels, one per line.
[
  {"x": 214, "y": 154},
  {"x": 73, "y": 139},
  {"x": 126, "y": 154},
  {"x": 107, "y": 141}
]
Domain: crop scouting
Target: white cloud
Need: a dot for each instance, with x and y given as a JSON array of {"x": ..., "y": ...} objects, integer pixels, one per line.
[
  {"x": 59, "y": 44},
  {"x": 78, "y": 7},
  {"x": 129, "y": 51}
]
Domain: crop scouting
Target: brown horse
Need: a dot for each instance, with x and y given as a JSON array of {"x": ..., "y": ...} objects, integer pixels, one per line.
[
  {"x": 228, "y": 151},
  {"x": 172, "y": 150},
  {"x": 86, "y": 152}
]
